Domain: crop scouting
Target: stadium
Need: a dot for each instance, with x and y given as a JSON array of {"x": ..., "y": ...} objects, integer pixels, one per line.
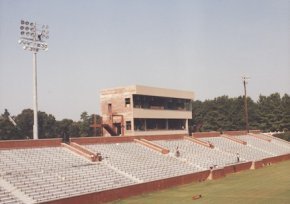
[
  {"x": 146, "y": 146},
  {"x": 137, "y": 143},
  {"x": 103, "y": 169}
]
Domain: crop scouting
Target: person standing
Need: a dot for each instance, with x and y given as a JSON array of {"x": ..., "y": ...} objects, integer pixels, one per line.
[{"x": 238, "y": 157}]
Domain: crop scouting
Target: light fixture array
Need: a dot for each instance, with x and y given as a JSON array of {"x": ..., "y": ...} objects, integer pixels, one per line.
[{"x": 33, "y": 38}]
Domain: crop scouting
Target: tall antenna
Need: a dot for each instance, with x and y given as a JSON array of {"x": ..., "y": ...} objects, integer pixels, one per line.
[{"x": 245, "y": 78}]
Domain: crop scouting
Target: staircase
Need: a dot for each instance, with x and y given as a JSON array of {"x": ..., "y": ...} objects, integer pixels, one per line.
[{"x": 110, "y": 130}]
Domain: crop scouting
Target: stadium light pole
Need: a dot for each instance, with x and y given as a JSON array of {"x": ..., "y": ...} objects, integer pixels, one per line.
[
  {"x": 32, "y": 39},
  {"x": 244, "y": 78}
]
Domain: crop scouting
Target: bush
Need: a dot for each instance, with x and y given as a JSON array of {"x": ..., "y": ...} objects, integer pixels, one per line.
[{"x": 284, "y": 136}]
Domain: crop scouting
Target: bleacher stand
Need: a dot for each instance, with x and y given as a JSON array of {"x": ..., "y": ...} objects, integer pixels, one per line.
[{"x": 34, "y": 175}]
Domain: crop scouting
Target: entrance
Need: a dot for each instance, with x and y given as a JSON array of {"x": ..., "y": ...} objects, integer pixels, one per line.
[{"x": 118, "y": 128}]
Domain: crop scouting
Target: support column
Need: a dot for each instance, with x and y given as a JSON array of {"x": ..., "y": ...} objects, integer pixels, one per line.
[{"x": 35, "y": 105}]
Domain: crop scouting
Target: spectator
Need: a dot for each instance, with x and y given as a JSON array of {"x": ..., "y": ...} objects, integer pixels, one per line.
[
  {"x": 238, "y": 157},
  {"x": 177, "y": 153}
]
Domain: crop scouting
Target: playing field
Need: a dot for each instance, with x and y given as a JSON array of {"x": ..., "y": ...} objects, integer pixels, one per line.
[{"x": 270, "y": 184}]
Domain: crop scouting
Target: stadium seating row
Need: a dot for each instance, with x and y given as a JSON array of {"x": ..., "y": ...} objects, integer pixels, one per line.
[{"x": 51, "y": 173}]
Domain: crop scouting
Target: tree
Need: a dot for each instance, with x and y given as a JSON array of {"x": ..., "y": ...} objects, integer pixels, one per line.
[
  {"x": 270, "y": 112},
  {"x": 25, "y": 123},
  {"x": 84, "y": 124},
  {"x": 7, "y": 129},
  {"x": 46, "y": 125},
  {"x": 68, "y": 127},
  {"x": 285, "y": 106}
]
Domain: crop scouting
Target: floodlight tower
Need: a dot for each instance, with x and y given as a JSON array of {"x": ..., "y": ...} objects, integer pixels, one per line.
[
  {"x": 32, "y": 39},
  {"x": 244, "y": 78}
]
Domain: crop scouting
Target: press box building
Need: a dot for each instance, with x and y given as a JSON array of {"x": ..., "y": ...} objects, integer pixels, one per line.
[{"x": 143, "y": 110}]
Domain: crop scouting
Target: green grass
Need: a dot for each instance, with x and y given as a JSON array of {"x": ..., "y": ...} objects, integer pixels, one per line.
[{"x": 270, "y": 184}]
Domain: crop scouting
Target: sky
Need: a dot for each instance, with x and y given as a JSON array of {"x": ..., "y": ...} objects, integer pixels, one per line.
[{"x": 204, "y": 46}]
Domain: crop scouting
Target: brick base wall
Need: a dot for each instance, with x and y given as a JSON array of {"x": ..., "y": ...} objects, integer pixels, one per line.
[
  {"x": 276, "y": 159},
  {"x": 11, "y": 144},
  {"x": 89, "y": 140},
  {"x": 218, "y": 173},
  {"x": 124, "y": 192},
  {"x": 205, "y": 134}
]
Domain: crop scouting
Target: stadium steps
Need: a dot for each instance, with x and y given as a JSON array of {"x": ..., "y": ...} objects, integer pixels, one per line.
[
  {"x": 129, "y": 176},
  {"x": 152, "y": 145},
  {"x": 200, "y": 142},
  {"x": 82, "y": 151},
  {"x": 260, "y": 137},
  {"x": 16, "y": 192},
  {"x": 276, "y": 138},
  {"x": 234, "y": 139}
]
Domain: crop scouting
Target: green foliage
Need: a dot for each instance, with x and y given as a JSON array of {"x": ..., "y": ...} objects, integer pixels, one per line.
[
  {"x": 48, "y": 127},
  {"x": 7, "y": 129},
  {"x": 284, "y": 136},
  {"x": 269, "y": 113}
]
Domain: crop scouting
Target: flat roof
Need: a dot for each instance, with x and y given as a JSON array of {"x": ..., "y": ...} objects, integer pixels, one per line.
[{"x": 148, "y": 90}]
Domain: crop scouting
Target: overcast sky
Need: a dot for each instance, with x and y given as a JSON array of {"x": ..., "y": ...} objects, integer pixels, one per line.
[{"x": 204, "y": 46}]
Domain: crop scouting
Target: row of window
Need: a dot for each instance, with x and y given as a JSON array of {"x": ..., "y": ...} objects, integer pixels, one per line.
[
  {"x": 155, "y": 102},
  {"x": 156, "y": 124}
]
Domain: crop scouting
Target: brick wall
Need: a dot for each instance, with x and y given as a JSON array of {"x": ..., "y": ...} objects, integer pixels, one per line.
[
  {"x": 258, "y": 164},
  {"x": 89, "y": 140},
  {"x": 10, "y": 144},
  {"x": 276, "y": 159},
  {"x": 124, "y": 192},
  {"x": 205, "y": 134},
  {"x": 235, "y": 133},
  {"x": 218, "y": 173}
]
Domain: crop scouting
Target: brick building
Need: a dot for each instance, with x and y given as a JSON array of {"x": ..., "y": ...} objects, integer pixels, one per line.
[{"x": 142, "y": 110}]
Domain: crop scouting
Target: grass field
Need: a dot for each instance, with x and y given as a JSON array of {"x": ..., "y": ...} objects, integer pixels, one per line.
[{"x": 270, "y": 184}]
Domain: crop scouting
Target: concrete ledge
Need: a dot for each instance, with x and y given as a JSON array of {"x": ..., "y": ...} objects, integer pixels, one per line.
[
  {"x": 260, "y": 137},
  {"x": 81, "y": 148},
  {"x": 152, "y": 146},
  {"x": 163, "y": 150},
  {"x": 234, "y": 139},
  {"x": 91, "y": 157},
  {"x": 200, "y": 142}
]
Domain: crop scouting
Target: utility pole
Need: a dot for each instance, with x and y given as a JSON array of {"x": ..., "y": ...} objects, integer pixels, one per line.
[{"x": 244, "y": 78}]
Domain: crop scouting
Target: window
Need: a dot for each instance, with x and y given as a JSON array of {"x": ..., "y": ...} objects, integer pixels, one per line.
[
  {"x": 139, "y": 124},
  {"x": 128, "y": 125},
  {"x": 176, "y": 124},
  {"x": 109, "y": 107},
  {"x": 127, "y": 102}
]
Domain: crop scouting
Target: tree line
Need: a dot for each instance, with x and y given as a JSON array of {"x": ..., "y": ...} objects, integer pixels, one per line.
[
  {"x": 269, "y": 113},
  {"x": 48, "y": 126}
]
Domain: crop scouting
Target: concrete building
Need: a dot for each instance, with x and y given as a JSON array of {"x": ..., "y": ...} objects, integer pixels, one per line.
[{"x": 142, "y": 110}]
